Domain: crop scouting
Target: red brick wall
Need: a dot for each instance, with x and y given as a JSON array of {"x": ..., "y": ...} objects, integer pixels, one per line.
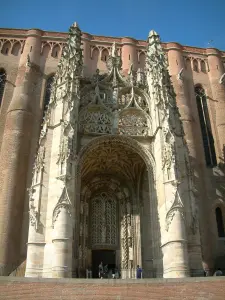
[{"x": 212, "y": 288}]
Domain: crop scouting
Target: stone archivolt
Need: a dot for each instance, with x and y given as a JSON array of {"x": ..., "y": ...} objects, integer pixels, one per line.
[{"x": 97, "y": 161}]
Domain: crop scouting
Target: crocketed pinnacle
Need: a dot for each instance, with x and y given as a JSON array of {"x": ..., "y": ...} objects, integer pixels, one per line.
[
  {"x": 75, "y": 25},
  {"x": 153, "y": 33}
]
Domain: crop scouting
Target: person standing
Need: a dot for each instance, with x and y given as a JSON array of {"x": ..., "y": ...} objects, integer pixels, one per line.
[
  {"x": 139, "y": 272},
  {"x": 100, "y": 270}
]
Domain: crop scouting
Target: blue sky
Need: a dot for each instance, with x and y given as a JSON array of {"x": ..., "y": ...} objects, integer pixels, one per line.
[{"x": 191, "y": 22}]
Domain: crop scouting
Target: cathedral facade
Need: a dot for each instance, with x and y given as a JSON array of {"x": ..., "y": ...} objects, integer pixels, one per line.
[{"x": 112, "y": 150}]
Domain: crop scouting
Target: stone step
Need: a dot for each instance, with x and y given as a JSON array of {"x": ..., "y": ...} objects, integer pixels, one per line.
[{"x": 212, "y": 288}]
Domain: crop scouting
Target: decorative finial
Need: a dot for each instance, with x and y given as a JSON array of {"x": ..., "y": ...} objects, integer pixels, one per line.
[
  {"x": 75, "y": 25},
  {"x": 153, "y": 37},
  {"x": 153, "y": 33}
]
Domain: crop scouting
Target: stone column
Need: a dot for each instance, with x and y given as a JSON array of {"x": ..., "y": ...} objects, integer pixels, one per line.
[
  {"x": 129, "y": 54},
  {"x": 15, "y": 151},
  {"x": 62, "y": 243},
  {"x": 180, "y": 82},
  {"x": 35, "y": 254},
  {"x": 216, "y": 71},
  {"x": 86, "y": 54},
  {"x": 175, "y": 255}
]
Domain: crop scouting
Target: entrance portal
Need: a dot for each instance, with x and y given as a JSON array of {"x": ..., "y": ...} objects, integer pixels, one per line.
[
  {"x": 107, "y": 257},
  {"x": 113, "y": 194}
]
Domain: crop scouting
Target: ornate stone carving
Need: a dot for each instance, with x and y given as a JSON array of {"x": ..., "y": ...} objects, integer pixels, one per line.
[
  {"x": 126, "y": 142},
  {"x": 176, "y": 207},
  {"x": 104, "y": 220},
  {"x": 64, "y": 202},
  {"x": 114, "y": 61},
  {"x": 39, "y": 164},
  {"x": 33, "y": 210},
  {"x": 124, "y": 236},
  {"x": 133, "y": 122}
]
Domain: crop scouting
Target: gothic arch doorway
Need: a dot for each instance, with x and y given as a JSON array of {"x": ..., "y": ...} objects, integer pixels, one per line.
[{"x": 111, "y": 206}]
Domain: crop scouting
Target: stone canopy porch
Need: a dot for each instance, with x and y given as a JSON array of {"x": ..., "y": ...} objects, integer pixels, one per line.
[{"x": 114, "y": 209}]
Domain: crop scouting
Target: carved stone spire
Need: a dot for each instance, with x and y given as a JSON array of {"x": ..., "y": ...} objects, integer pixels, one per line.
[
  {"x": 65, "y": 101},
  {"x": 174, "y": 152}
]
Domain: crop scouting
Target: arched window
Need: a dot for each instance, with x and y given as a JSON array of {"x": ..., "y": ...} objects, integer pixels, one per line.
[
  {"x": 6, "y": 48},
  {"x": 188, "y": 63},
  {"x": 16, "y": 49},
  {"x": 55, "y": 51},
  {"x": 195, "y": 65},
  {"x": 203, "y": 66},
  {"x": 104, "y": 55},
  {"x": 48, "y": 90},
  {"x": 2, "y": 84},
  {"x": 208, "y": 141},
  {"x": 219, "y": 221}
]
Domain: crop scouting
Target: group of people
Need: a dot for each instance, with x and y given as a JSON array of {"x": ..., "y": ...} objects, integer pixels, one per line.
[{"x": 104, "y": 272}]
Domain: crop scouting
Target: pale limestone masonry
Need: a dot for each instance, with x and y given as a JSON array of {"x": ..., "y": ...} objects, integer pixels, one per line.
[{"x": 120, "y": 170}]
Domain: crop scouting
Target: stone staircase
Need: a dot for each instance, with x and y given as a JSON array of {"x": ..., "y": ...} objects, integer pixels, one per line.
[
  {"x": 14, "y": 288},
  {"x": 20, "y": 270}
]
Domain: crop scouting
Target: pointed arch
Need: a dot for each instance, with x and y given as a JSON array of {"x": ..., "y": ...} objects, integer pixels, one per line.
[
  {"x": 142, "y": 60},
  {"x": 188, "y": 64},
  {"x": 195, "y": 65},
  {"x": 133, "y": 122},
  {"x": 203, "y": 66},
  {"x": 2, "y": 84},
  {"x": 16, "y": 49},
  {"x": 104, "y": 55},
  {"x": 46, "y": 50},
  {"x": 6, "y": 48},
  {"x": 56, "y": 51},
  {"x": 207, "y": 136},
  {"x": 95, "y": 54},
  {"x": 220, "y": 222}
]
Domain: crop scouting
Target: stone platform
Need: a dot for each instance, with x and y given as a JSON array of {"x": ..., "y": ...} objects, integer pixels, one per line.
[{"x": 12, "y": 288}]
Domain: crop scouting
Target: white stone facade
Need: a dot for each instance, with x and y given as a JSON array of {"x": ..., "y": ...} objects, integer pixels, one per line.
[{"x": 112, "y": 172}]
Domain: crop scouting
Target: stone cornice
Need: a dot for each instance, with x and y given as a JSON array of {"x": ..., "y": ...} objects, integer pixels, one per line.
[{"x": 62, "y": 36}]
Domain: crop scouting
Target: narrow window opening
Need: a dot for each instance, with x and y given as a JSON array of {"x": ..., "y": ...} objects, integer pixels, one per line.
[
  {"x": 48, "y": 91},
  {"x": 2, "y": 84},
  {"x": 219, "y": 221},
  {"x": 207, "y": 137},
  {"x": 195, "y": 65},
  {"x": 6, "y": 50},
  {"x": 30, "y": 48},
  {"x": 203, "y": 66},
  {"x": 105, "y": 57},
  {"x": 129, "y": 56}
]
